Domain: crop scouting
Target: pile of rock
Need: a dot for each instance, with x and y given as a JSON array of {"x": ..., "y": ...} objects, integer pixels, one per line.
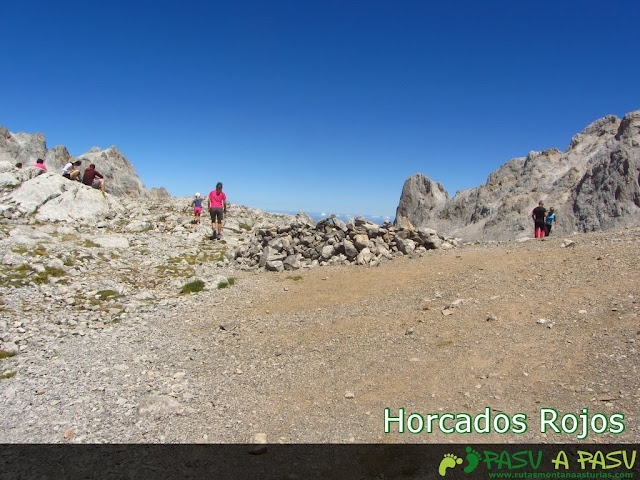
[{"x": 302, "y": 244}]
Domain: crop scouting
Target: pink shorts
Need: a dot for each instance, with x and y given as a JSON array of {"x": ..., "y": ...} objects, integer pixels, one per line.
[{"x": 197, "y": 210}]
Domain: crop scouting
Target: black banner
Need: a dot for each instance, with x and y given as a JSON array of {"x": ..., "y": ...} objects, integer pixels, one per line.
[{"x": 290, "y": 462}]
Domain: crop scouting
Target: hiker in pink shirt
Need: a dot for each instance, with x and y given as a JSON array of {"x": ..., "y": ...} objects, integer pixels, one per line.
[
  {"x": 40, "y": 164},
  {"x": 217, "y": 204}
]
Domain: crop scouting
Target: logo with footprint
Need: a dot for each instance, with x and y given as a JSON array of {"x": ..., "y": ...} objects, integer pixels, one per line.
[{"x": 451, "y": 461}]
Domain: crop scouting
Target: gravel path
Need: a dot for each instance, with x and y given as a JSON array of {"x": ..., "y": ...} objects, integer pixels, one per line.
[{"x": 317, "y": 355}]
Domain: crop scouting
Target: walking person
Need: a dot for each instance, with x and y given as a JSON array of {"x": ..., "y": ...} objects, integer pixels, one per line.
[
  {"x": 550, "y": 221},
  {"x": 217, "y": 204},
  {"x": 197, "y": 209},
  {"x": 538, "y": 215}
]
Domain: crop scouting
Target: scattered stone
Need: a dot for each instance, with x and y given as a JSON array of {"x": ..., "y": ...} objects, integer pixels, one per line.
[
  {"x": 259, "y": 444},
  {"x": 545, "y": 322},
  {"x": 228, "y": 326}
]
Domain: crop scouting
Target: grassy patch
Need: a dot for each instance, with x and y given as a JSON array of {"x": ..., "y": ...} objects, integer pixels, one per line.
[
  {"x": 7, "y": 374},
  {"x": 69, "y": 237},
  {"x": 17, "y": 276},
  {"x": 38, "y": 251},
  {"x": 168, "y": 271},
  {"x": 90, "y": 244},
  {"x": 244, "y": 226},
  {"x": 190, "y": 259},
  {"x": 445, "y": 343},
  {"x": 229, "y": 283},
  {"x": 107, "y": 294},
  {"x": 295, "y": 278},
  {"x": 5, "y": 354},
  {"x": 43, "y": 277},
  {"x": 23, "y": 274},
  {"x": 193, "y": 287},
  {"x": 205, "y": 255}
]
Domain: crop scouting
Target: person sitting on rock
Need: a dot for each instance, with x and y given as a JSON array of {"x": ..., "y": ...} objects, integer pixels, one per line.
[
  {"x": 93, "y": 178},
  {"x": 40, "y": 164},
  {"x": 72, "y": 170}
]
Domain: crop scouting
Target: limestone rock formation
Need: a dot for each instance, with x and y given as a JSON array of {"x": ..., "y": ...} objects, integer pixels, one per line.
[
  {"x": 593, "y": 185},
  {"x": 121, "y": 177}
]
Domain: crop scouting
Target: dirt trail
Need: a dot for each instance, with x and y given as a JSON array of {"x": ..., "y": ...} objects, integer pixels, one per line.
[{"x": 451, "y": 332}]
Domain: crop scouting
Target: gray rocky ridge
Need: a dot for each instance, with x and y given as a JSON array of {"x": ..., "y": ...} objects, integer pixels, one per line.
[
  {"x": 593, "y": 185},
  {"x": 26, "y": 148}
]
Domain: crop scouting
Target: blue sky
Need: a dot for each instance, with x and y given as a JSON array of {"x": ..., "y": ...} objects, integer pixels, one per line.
[{"x": 316, "y": 105}]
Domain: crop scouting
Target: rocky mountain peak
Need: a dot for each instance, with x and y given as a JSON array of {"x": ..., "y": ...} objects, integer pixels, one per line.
[
  {"x": 593, "y": 185},
  {"x": 121, "y": 176}
]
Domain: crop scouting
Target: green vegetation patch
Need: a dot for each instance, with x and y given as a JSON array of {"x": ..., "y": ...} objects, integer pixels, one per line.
[
  {"x": 69, "y": 237},
  {"x": 205, "y": 255},
  {"x": 295, "y": 278},
  {"x": 6, "y": 354},
  {"x": 7, "y": 374},
  {"x": 90, "y": 244},
  {"x": 43, "y": 277},
  {"x": 107, "y": 294},
  {"x": 174, "y": 271},
  {"x": 193, "y": 287},
  {"x": 229, "y": 283},
  {"x": 38, "y": 251},
  {"x": 23, "y": 274}
]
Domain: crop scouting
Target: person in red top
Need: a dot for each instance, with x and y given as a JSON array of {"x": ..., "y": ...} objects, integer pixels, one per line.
[
  {"x": 93, "y": 178},
  {"x": 217, "y": 204}
]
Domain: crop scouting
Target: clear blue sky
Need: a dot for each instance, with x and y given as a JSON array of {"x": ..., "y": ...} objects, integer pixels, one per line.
[{"x": 316, "y": 105}]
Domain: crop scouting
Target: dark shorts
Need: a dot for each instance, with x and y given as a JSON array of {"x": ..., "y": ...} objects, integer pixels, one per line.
[
  {"x": 67, "y": 175},
  {"x": 216, "y": 213}
]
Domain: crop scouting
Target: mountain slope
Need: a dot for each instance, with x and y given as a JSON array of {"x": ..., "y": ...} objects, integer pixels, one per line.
[{"x": 593, "y": 185}]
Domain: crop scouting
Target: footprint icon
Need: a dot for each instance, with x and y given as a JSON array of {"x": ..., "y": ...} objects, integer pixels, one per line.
[
  {"x": 449, "y": 461},
  {"x": 473, "y": 457}
]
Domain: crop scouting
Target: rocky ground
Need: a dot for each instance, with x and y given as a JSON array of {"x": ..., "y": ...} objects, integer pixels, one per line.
[{"x": 105, "y": 348}]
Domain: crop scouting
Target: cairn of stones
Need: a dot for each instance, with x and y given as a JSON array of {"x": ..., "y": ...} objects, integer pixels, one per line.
[{"x": 303, "y": 244}]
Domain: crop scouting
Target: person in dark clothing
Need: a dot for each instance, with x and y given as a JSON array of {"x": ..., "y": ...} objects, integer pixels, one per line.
[
  {"x": 93, "y": 178},
  {"x": 538, "y": 215}
]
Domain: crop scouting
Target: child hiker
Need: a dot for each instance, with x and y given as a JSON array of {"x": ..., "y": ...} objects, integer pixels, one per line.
[{"x": 197, "y": 208}]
